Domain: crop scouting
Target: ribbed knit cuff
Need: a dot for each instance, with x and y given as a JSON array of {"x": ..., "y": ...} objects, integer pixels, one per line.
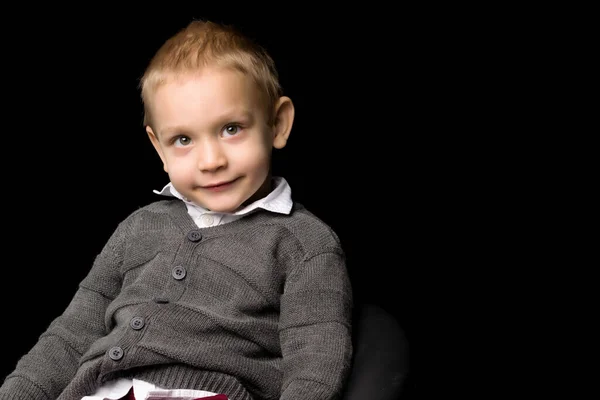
[{"x": 304, "y": 389}]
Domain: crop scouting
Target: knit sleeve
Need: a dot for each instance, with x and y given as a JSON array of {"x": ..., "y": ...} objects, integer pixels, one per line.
[
  {"x": 51, "y": 363},
  {"x": 315, "y": 328}
]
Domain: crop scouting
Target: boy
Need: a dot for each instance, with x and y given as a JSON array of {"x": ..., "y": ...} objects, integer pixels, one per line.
[{"x": 226, "y": 288}]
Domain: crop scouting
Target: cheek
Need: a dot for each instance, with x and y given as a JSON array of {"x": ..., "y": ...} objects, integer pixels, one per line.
[
  {"x": 179, "y": 168},
  {"x": 256, "y": 159}
]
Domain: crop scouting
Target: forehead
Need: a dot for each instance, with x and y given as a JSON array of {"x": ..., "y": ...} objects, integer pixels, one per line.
[{"x": 208, "y": 93}]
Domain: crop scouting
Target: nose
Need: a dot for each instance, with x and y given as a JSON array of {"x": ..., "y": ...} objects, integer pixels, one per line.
[{"x": 211, "y": 156}]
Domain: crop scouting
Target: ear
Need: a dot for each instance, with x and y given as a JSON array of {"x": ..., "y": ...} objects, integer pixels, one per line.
[
  {"x": 157, "y": 147},
  {"x": 284, "y": 119}
]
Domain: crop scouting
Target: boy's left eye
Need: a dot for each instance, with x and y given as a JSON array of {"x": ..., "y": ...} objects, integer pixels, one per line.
[{"x": 231, "y": 130}]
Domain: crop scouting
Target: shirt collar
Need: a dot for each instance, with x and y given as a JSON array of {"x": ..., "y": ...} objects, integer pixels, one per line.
[{"x": 279, "y": 200}]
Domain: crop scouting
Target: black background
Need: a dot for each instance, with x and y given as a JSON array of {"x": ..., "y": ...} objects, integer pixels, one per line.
[{"x": 370, "y": 151}]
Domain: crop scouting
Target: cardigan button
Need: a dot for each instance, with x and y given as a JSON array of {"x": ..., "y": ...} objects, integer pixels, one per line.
[
  {"x": 194, "y": 235},
  {"x": 178, "y": 272},
  {"x": 136, "y": 323},
  {"x": 116, "y": 353}
]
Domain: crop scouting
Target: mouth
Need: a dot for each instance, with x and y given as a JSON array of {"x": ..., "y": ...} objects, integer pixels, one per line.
[{"x": 219, "y": 186}]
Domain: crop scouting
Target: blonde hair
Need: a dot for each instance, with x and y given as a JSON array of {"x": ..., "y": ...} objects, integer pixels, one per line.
[{"x": 206, "y": 43}]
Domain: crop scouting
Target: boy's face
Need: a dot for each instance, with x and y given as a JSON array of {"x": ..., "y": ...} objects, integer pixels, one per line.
[{"x": 212, "y": 134}]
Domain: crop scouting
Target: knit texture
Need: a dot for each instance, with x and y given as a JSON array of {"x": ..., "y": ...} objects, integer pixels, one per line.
[{"x": 258, "y": 308}]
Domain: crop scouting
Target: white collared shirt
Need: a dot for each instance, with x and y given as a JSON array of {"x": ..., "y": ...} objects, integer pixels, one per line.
[{"x": 279, "y": 201}]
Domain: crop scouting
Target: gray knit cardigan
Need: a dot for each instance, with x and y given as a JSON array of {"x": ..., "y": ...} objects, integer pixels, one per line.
[{"x": 258, "y": 308}]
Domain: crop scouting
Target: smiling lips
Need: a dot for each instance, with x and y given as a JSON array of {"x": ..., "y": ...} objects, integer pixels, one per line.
[{"x": 220, "y": 186}]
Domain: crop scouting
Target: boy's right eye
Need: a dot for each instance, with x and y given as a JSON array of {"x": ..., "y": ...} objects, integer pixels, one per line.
[{"x": 181, "y": 141}]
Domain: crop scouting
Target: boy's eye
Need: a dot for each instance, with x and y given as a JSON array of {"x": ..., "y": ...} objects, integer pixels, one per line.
[
  {"x": 231, "y": 130},
  {"x": 182, "y": 141}
]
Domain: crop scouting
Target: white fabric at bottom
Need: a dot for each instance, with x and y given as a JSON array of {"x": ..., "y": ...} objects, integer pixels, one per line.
[
  {"x": 177, "y": 394},
  {"x": 143, "y": 391}
]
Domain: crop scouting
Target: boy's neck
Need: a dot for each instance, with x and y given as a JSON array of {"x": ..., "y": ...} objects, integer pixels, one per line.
[{"x": 262, "y": 192}]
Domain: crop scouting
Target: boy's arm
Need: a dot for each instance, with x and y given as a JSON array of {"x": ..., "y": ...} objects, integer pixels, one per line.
[
  {"x": 52, "y": 362},
  {"x": 315, "y": 328}
]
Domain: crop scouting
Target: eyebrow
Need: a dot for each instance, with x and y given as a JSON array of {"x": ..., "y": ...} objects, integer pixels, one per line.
[
  {"x": 172, "y": 130},
  {"x": 236, "y": 114}
]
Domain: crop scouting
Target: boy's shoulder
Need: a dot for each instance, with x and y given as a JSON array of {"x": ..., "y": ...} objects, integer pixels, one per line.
[
  {"x": 310, "y": 229},
  {"x": 163, "y": 206},
  {"x": 159, "y": 210}
]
